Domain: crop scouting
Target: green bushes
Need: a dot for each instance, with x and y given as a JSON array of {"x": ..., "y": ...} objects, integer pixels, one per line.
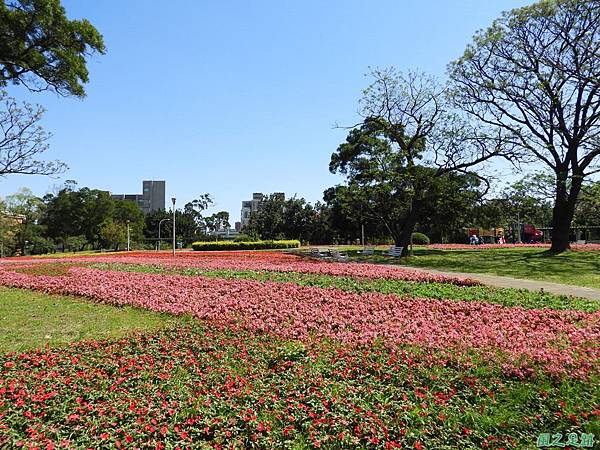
[
  {"x": 246, "y": 245},
  {"x": 420, "y": 239},
  {"x": 246, "y": 238}
]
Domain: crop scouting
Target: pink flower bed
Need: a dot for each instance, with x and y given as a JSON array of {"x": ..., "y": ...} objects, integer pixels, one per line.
[
  {"x": 558, "y": 341},
  {"x": 269, "y": 261}
]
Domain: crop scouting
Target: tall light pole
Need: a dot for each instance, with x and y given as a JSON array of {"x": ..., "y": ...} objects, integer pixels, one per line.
[
  {"x": 159, "y": 222},
  {"x": 173, "y": 200},
  {"x": 128, "y": 236},
  {"x": 362, "y": 234}
]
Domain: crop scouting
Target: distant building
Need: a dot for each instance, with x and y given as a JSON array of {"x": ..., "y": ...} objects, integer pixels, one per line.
[
  {"x": 225, "y": 233},
  {"x": 250, "y": 206},
  {"x": 151, "y": 199}
]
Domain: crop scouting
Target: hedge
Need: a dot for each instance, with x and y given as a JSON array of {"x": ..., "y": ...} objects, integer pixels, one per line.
[
  {"x": 420, "y": 239},
  {"x": 245, "y": 245}
]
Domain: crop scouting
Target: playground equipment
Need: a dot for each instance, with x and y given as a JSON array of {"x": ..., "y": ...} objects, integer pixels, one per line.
[
  {"x": 487, "y": 235},
  {"x": 528, "y": 234}
]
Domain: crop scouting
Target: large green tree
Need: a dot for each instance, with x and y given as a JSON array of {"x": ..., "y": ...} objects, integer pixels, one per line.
[
  {"x": 77, "y": 212},
  {"x": 276, "y": 218},
  {"x": 112, "y": 234},
  {"x": 534, "y": 74},
  {"x": 130, "y": 213},
  {"x": 588, "y": 207},
  {"x": 267, "y": 222},
  {"x": 217, "y": 221},
  {"x": 409, "y": 141},
  {"x": 449, "y": 214},
  {"x": 42, "y": 49},
  {"x": 22, "y": 212}
]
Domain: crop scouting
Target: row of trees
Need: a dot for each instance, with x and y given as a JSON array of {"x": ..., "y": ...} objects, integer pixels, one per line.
[
  {"x": 526, "y": 90},
  {"x": 445, "y": 217},
  {"x": 74, "y": 219}
]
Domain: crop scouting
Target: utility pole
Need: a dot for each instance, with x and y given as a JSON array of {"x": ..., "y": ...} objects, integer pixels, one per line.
[
  {"x": 362, "y": 234},
  {"x": 128, "y": 237},
  {"x": 173, "y": 200}
]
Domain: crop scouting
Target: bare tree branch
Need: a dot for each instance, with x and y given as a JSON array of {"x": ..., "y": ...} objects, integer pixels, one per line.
[{"x": 22, "y": 140}]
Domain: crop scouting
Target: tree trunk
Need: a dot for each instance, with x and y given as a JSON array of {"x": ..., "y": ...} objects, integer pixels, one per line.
[
  {"x": 403, "y": 240},
  {"x": 563, "y": 211}
]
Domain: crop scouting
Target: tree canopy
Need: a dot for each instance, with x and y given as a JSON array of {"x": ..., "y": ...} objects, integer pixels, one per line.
[
  {"x": 42, "y": 49},
  {"x": 410, "y": 141}
]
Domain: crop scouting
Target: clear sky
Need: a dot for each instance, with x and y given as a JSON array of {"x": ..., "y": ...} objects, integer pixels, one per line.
[{"x": 232, "y": 97}]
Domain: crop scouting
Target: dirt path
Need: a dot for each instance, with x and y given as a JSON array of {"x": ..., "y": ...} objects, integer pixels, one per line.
[{"x": 517, "y": 283}]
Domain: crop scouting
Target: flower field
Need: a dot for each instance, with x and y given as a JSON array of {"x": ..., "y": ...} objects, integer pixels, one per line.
[
  {"x": 278, "y": 262},
  {"x": 274, "y": 361}
]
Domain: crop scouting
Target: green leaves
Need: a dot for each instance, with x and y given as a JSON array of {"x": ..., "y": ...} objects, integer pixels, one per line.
[{"x": 42, "y": 49}]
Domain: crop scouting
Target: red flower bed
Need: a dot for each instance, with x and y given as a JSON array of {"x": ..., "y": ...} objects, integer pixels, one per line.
[
  {"x": 558, "y": 341},
  {"x": 207, "y": 387}
]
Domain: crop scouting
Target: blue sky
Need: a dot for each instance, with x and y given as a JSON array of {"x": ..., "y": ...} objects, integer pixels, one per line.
[{"x": 234, "y": 97}]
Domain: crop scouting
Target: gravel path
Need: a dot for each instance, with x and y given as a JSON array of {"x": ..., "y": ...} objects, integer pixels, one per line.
[{"x": 517, "y": 283}]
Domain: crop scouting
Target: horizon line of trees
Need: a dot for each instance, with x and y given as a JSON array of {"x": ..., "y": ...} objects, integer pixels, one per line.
[
  {"x": 340, "y": 218},
  {"x": 76, "y": 219}
]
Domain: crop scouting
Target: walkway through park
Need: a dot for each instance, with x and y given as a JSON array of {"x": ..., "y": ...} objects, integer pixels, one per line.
[{"x": 517, "y": 283}]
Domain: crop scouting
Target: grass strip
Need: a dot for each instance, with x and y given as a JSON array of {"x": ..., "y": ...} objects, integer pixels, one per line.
[{"x": 30, "y": 319}]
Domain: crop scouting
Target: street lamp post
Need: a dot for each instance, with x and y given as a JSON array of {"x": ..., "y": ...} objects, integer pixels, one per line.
[
  {"x": 159, "y": 223},
  {"x": 362, "y": 234},
  {"x": 128, "y": 237},
  {"x": 173, "y": 200}
]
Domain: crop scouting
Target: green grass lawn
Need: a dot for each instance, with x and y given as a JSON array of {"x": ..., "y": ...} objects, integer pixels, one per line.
[
  {"x": 31, "y": 319},
  {"x": 575, "y": 267}
]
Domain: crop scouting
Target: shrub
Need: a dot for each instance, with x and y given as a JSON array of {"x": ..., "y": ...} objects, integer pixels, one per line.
[
  {"x": 75, "y": 243},
  {"x": 246, "y": 238},
  {"x": 41, "y": 245},
  {"x": 420, "y": 239},
  {"x": 245, "y": 245}
]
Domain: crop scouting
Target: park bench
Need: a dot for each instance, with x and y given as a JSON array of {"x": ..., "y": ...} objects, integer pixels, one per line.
[
  {"x": 368, "y": 250},
  {"x": 395, "y": 251},
  {"x": 335, "y": 254},
  {"x": 316, "y": 253}
]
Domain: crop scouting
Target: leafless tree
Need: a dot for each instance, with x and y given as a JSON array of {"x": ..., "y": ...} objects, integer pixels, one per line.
[
  {"x": 23, "y": 140},
  {"x": 535, "y": 75}
]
